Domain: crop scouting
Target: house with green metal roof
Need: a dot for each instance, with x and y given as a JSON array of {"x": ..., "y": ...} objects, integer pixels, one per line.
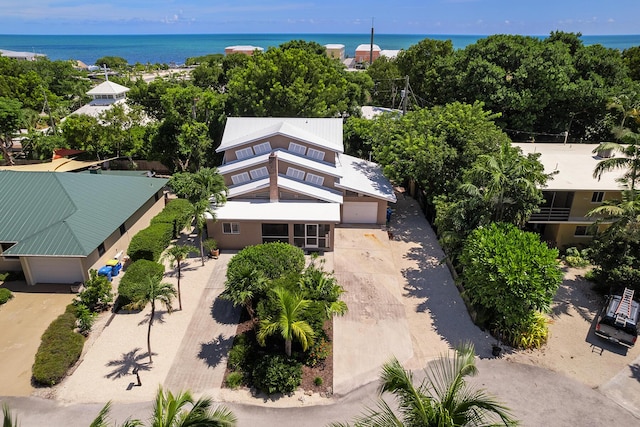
[{"x": 55, "y": 227}]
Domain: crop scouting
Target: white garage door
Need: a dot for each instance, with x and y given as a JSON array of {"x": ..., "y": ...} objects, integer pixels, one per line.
[
  {"x": 360, "y": 212},
  {"x": 56, "y": 270}
]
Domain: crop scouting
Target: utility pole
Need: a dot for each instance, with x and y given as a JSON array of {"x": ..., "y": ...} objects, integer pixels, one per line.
[
  {"x": 405, "y": 95},
  {"x": 48, "y": 109},
  {"x": 371, "y": 45}
]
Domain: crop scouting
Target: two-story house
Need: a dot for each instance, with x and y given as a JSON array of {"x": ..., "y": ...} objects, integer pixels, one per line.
[
  {"x": 289, "y": 180},
  {"x": 571, "y": 193}
]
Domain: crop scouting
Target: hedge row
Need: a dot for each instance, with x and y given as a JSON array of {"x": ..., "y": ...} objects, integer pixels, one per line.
[
  {"x": 150, "y": 242},
  {"x": 59, "y": 349},
  {"x": 136, "y": 273},
  {"x": 178, "y": 213}
]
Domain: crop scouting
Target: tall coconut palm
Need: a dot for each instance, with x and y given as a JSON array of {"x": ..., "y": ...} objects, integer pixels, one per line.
[
  {"x": 442, "y": 399},
  {"x": 288, "y": 322},
  {"x": 153, "y": 290},
  {"x": 177, "y": 411},
  {"x": 200, "y": 210},
  {"x": 243, "y": 287},
  {"x": 176, "y": 254}
]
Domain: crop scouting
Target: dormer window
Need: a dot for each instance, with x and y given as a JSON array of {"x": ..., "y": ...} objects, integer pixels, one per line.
[
  {"x": 262, "y": 148},
  {"x": 245, "y": 153},
  {"x": 259, "y": 173},
  {"x": 295, "y": 173},
  {"x": 297, "y": 148},
  {"x": 314, "y": 179},
  {"x": 315, "y": 154},
  {"x": 240, "y": 178}
]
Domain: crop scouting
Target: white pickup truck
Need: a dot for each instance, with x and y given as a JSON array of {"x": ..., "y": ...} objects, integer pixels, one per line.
[{"x": 618, "y": 320}]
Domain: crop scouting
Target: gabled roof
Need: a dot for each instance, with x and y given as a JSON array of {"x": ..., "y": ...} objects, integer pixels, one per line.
[
  {"x": 108, "y": 88},
  {"x": 283, "y": 155},
  {"x": 322, "y": 132},
  {"x": 294, "y": 185},
  {"x": 66, "y": 214},
  {"x": 574, "y": 164},
  {"x": 364, "y": 177}
]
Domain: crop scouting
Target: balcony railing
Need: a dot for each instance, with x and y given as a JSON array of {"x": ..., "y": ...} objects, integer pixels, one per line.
[{"x": 551, "y": 214}]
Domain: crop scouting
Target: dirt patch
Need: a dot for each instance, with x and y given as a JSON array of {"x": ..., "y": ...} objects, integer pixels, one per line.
[{"x": 573, "y": 348}]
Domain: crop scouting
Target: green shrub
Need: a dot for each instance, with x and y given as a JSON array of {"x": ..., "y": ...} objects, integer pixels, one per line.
[
  {"x": 575, "y": 257},
  {"x": 178, "y": 213},
  {"x": 274, "y": 373},
  {"x": 5, "y": 295},
  {"x": 271, "y": 260},
  {"x": 97, "y": 294},
  {"x": 234, "y": 380},
  {"x": 3, "y": 276},
  {"x": 317, "y": 381},
  {"x": 59, "y": 349},
  {"x": 84, "y": 318},
  {"x": 150, "y": 242},
  {"x": 319, "y": 352},
  {"x": 136, "y": 273},
  {"x": 532, "y": 333},
  {"x": 240, "y": 353}
]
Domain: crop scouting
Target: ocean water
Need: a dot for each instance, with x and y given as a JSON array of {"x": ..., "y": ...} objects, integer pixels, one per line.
[{"x": 176, "y": 48}]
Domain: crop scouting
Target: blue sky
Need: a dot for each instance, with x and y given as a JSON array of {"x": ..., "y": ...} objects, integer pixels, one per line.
[{"x": 477, "y": 17}]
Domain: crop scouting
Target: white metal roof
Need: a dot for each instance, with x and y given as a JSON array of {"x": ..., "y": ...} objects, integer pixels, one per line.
[
  {"x": 263, "y": 210},
  {"x": 284, "y": 155},
  {"x": 367, "y": 47},
  {"x": 575, "y": 164},
  {"x": 364, "y": 177},
  {"x": 303, "y": 187},
  {"x": 248, "y": 187},
  {"x": 108, "y": 88},
  {"x": 322, "y": 132},
  {"x": 334, "y": 46}
]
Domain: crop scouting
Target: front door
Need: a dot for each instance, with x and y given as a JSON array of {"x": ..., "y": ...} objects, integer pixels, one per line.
[{"x": 311, "y": 235}]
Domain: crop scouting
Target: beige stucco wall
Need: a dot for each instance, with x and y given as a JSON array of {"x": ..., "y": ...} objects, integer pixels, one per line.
[
  {"x": 9, "y": 264},
  {"x": 250, "y": 234},
  {"x": 582, "y": 202},
  {"x": 563, "y": 235}
]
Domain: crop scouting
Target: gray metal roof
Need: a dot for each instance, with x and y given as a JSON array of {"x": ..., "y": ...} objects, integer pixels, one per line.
[{"x": 67, "y": 214}]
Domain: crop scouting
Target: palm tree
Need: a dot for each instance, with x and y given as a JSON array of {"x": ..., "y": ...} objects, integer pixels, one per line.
[
  {"x": 173, "y": 411},
  {"x": 175, "y": 255},
  {"x": 621, "y": 213},
  {"x": 8, "y": 419},
  {"x": 443, "y": 398},
  {"x": 629, "y": 148},
  {"x": 292, "y": 307},
  {"x": 152, "y": 290},
  {"x": 244, "y": 287}
]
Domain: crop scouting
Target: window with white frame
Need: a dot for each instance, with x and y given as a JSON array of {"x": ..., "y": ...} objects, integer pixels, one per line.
[
  {"x": 259, "y": 173},
  {"x": 230, "y": 228},
  {"x": 314, "y": 179},
  {"x": 315, "y": 154},
  {"x": 244, "y": 153},
  {"x": 584, "y": 230},
  {"x": 297, "y": 148},
  {"x": 264, "y": 147},
  {"x": 295, "y": 173},
  {"x": 240, "y": 178},
  {"x": 597, "y": 197}
]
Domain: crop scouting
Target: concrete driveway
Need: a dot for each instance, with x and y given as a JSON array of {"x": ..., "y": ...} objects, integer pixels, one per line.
[
  {"x": 23, "y": 320},
  {"x": 402, "y": 301}
]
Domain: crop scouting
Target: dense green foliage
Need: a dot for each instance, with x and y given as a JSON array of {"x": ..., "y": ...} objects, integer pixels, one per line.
[
  {"x": 112, "y": 62},
  {"x": 271, "y": 260},
  {"x": 442, "y": 399},
  {"x": 129, "y": 286},
  {"x": 5, "y": 295},
  {"x": 150, "y": 242},
  {"x": 509, "y": 275},
  {"x": 59, "y": 350},
  {"x": 178, "y": 213},
  {"x": 275, "y": 373}
]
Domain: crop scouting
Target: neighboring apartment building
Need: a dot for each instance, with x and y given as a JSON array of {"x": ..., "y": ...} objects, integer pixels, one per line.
[
  {"x": 290, "y": 181},
  {"x": 571, "y": 193}
]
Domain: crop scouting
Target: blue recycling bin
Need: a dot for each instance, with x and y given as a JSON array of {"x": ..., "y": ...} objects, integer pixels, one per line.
[
  {"x": 115, "y": 270},
  {"x": 106, "y": 271}
]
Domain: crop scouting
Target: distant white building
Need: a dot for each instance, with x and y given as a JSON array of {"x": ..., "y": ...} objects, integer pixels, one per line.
[
  {"x": 21, "y": 56},
  {"x": 335, "y": 51},
  {"x": 105, "y": 95},
  {"x": 246, "y": 49},
  {"x": 391, "y": 54},
  {"x": 363, "y": 52}
]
